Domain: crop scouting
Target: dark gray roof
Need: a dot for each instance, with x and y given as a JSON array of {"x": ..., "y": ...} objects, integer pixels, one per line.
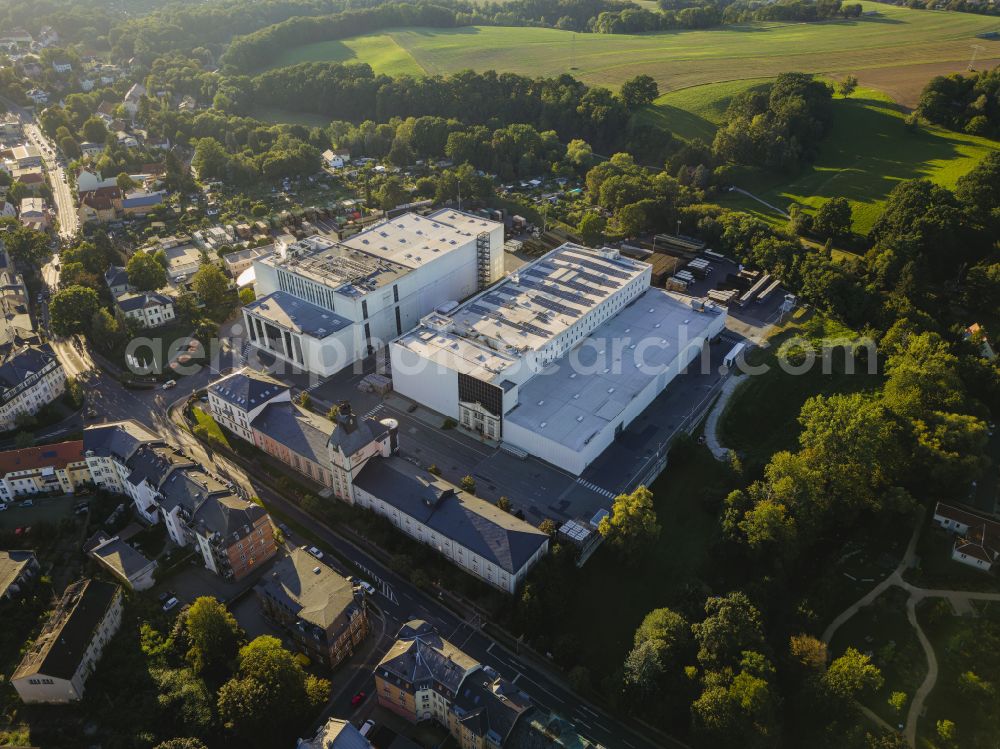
[
  {"x": 64, "y": 639},
  {"x": 352, "y": 432},
  {"x": 421, "y": 656},
  {"x": 189, "y": 488},
  {"x": 118, "y": 439},
  {"x": 229, "y": 516},
  {"x": 310, "y": 589},
  {"x": 247, "y": 389},
  {"x": 300, "y": 431},
  {"x": 297, "y": 314},
  {"x": 489, "y": 708},
  {"x": 152, "y": 463},
  {"x": 23, "y": 363},
  {"x": 117, "y": 555},
  {"x": 477, "y": 525},
  {"x": 131, "y": 302},
  {"x": 116, "y": 275}
]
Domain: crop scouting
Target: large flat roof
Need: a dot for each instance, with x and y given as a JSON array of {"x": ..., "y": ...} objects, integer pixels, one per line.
[
  {"x": 296, "y": 314},
  {"x": 579, "y": 394},
  {"x": 525, "y": 311},
  {"x": 383, "y": 253},
  {"x": 413, "y": 240}
]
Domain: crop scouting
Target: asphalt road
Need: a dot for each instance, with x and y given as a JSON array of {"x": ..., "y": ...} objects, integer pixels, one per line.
[{"x": 62, "y": 193}]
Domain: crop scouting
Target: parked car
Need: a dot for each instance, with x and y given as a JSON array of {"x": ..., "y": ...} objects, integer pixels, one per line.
[
  {"x": 28, "y": 503},
  {"x": 367, "y": 727},
  {"x": 169, "y": 384},
  {"x": 170, "y": 603},
  {"x": 366, "y": 587},
  {"x": 357, "y": 699},
  {"x": 3, "y": 506},
  {"x": 315, "y": 552},
  {"x": 166, "y": 596}
]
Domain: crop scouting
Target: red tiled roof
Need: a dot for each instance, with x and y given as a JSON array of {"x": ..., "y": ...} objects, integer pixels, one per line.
[{"x": 58, "y": 455}]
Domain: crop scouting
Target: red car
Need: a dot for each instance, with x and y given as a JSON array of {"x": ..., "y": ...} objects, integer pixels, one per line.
[{"x": 357, "y": 699}]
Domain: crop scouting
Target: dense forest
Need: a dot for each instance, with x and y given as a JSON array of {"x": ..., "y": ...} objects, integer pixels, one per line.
[{"x": 968, "y": 103}]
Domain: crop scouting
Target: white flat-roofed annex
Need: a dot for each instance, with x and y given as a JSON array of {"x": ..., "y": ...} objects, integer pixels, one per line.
[
  {"x": 581, "y": 394},
  {"x": 449, "y": 351}
]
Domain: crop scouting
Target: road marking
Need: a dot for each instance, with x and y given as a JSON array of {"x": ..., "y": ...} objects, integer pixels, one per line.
[
  {"x": 595, "y": 488},
  {"x": 490, "y": 648}
]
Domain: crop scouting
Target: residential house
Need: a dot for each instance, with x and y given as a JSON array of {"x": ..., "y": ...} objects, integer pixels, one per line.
[
  {"x": 7, "y": 210},
  {"x": 240, "y": 260},
  {"x": 335, "y": 734},
  {"x": 18, "y": 573},
  {"x": 977, "y": 335},
  {"x": 59, "y": 467},
  {"x": 977, "y": 542},
  {"x": 421, "y": 674},
  {"x": 56, "y": 667},
  {"x": 31, "y": 377},
  {"x": 99, "y": 206},
  {"x": 116, "y": 277},
  {"x": 233, "y": 535},
  {"x": 37, "y": 96},
  {"x": 132, "y": 99},
  {"x": 106, "y": 110},
  {"x": 426, "y": 677},
  {"x": 335, "y": 159},
  {"x": 324, "y": 613},
  {"x": 92, "y": 150},
  {"x": 126, "y": 140},
  {"x": 149, "y": 308},
  {"x": 237, "y": 399},
  {"x": 90, "y": 181},
  {"x": 27, "y": 156},
  {"x": 121, "y": 560},
  {"x": 10, "y": 128},
  {"x": 62, "y": 66},
  {"x": 86, "y": 84},
  {"x": 141, "y": 202},
  {"x": 34, "y": 215},
  {"x": 32, "y": 177}
]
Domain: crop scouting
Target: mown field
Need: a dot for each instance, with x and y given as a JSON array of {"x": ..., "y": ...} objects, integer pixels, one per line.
[
  {"x": 868, "y": 151},
  {"x": 677, "y": 59}
]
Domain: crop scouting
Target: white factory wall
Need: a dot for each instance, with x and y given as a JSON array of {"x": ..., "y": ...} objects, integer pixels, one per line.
[{"x": 426, "y": 383}]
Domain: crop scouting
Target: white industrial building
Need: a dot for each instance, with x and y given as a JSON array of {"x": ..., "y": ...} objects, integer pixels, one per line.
[
  {"x": 323, "y": 303},
  {"x": 558, "y": 358}
]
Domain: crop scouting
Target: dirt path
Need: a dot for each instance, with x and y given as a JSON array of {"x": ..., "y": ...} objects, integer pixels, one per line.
[{"x": 960, "y": 600}]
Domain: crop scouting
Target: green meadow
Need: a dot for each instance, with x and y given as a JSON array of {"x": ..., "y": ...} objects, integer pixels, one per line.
[{"x": 676, "y": 59}]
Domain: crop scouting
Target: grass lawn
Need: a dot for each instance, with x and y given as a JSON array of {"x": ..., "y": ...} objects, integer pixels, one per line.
[
  {"x": 762, "y": 417},
  {"x": 697, "y": 111},
  {"x": 213, "y": 431},
  {"x": 868, "y": 151},
  {"x": 962, "y": 644},
  {"x": 608, "y": 603},
  {"x": 882, "y": 631},
  {"x": 676, "y": 59},
  {"x": 381, "y": 51}
]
